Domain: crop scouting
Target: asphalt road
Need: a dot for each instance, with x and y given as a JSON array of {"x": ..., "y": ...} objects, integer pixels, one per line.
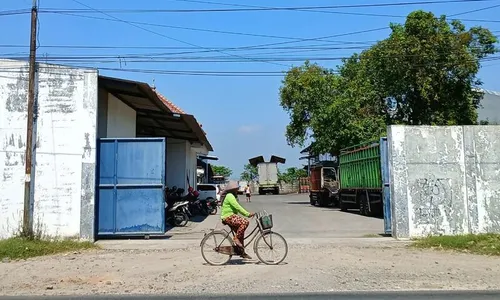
[
  {"x": 441, "y": 295},
  {"x": 294, "y": 217}
]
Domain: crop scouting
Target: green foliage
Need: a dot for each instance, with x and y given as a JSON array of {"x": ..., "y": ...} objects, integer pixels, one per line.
[
  {"x": 249, "y": 173},
  {"x": 222, "y": 171},
  {"x": 21, "y": 248},
  {"x": 486, "y": 244},
  {"x": 291, "y": 175},
  {"x": 427, "y": 68}
]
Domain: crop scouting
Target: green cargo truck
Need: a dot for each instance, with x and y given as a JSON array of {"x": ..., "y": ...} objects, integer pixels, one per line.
[{"x": 364, "y": 178}]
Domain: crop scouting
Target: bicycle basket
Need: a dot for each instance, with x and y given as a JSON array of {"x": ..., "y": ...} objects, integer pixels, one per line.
[{"x": 266, "y": 221}]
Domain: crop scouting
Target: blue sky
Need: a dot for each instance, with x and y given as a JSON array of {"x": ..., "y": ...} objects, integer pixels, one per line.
[{"x": 241, "y": 115}]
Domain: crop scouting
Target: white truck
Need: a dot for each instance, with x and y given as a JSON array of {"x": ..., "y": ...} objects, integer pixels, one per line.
[{"x": 268, "y": 173}]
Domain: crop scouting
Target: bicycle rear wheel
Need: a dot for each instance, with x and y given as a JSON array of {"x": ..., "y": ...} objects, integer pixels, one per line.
[
  {"x": 274, "y": 242},
  {"x": 209, "y": 247}
]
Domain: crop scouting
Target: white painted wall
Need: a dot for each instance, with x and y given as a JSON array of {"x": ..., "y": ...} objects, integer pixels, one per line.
[
  {"x": 182, "y": 162},
  {"x": 121, "y": 121},
  {"x": 176, "y": 163},
  {"x": 65, "y": 147}
]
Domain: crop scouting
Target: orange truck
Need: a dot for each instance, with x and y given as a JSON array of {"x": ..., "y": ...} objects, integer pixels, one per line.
[{"x": 324, "y": 184}]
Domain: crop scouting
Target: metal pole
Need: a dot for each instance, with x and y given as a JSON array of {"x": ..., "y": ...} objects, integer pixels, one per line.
[
  {"x": 206, "y": 171},
  {"x": 28, "y": 212}
]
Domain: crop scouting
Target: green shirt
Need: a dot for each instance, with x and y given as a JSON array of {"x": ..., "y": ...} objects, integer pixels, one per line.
[{"x": 230, "y": 206}]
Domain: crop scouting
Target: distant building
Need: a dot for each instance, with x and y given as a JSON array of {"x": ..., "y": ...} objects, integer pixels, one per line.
[{"x": 490, "y": 107}]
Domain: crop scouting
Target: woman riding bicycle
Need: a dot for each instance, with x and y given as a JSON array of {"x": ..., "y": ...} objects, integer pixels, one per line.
[{"x": 229, "y": 215}]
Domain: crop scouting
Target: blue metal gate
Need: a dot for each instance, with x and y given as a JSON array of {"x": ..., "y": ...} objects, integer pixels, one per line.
[
  {"x": 131, "y": 182},
  {"x": 386, "y": 191}
]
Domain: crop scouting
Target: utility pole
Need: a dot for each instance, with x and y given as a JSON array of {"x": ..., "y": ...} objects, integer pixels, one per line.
[{"x": 28, "y": 210}]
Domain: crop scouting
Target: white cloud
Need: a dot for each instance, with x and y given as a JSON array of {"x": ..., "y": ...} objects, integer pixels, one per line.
[{"x": 248, "y": 128}]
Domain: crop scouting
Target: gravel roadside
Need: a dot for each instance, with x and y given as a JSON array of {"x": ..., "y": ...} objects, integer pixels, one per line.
[{"x": 327, "y": 265}]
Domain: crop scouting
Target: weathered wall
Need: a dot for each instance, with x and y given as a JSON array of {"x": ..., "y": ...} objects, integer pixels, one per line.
[
  {"x": 65, "y": 148},
  {"x": 289, "y": 188},
  {"x": 444, "y": 180}
]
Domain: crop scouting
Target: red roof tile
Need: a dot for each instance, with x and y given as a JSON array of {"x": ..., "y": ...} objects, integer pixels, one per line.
[{"x": 174, "y": 108}]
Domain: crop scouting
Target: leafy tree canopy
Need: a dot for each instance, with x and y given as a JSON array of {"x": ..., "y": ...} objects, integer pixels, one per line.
[
  {"x": 249, "y": 173},
  {"x": 222, "y": 171},
  {"x": 424, "y": 73},
  {"x": 291, "y": 174}
]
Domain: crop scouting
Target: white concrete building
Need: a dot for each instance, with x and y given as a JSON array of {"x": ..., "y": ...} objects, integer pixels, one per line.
[{"x": 76, "y": 109}]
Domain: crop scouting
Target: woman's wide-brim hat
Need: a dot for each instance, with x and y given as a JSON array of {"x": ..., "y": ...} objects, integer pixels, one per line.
[{"x": 231, "y": 185}]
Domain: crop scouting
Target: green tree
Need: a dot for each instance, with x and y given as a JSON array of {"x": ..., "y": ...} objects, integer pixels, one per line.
[
  {"x": 423, "y": 73},
  {"x": 249, "y": 173},
  {"x": 222, "y": 171},
  {"x": 330, "y": 108},
  {"x": 428, "y": 67},
  {"x": 291, "y": 174}
]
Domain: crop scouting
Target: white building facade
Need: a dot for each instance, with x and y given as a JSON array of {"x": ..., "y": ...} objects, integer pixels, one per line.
[{"x": 76, "y": 108}]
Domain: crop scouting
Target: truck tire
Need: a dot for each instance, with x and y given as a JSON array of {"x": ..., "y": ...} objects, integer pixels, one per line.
[
  {"x": 276, "y": 191},
  {"x": 342, "y": 205},
  {"x": 311, "y": 200},
  {"x": 261, "y": 192},
  {"x": 364, "y": 208}
]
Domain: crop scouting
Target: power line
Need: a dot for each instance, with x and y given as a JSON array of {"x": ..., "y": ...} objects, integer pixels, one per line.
[
  {"x": 247, "y": 9},
  {"x": 159, "y": 34},
  {"x": 14, "y": 12},
  {"x": 335, "y": 12},
  {"x": 188, "y": 28},
  {"x": 47, "y": 69}
]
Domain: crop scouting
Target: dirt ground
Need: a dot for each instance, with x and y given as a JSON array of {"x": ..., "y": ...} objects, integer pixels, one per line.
[{"x": 311, "y": 266}]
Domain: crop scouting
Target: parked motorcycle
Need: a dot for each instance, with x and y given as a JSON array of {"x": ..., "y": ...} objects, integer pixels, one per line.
[
  {"x": 175, "y": 208},
  {"x": 212, "y": 206}
]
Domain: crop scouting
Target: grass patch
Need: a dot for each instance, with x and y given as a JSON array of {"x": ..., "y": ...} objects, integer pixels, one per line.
[
  {"x": 485, "y": 244},
  {"x": 372, "y": 235},
  {"x": 21, "y": 248}
]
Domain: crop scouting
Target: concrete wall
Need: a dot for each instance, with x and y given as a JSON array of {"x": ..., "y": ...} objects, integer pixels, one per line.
[
  {"x": 121, "y": 119},
  {"x": 289, "y": 188},
  {"x": 63, "y": 176},
  {"x": 176, "y": 163},
  {"x": 444, "y": 180},
  {"x": 115, "y": 118},
  {"x": 182, "y": 162}
]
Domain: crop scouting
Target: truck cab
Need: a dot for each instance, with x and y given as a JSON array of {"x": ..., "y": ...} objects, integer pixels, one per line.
[{"x": 324, "y": 186}]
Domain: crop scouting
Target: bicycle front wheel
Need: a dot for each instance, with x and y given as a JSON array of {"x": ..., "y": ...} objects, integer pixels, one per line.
[{"x": 274, "y": 243}]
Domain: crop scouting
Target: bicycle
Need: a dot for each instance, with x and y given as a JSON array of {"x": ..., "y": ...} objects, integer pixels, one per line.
[{"x": 264, "y": 235}]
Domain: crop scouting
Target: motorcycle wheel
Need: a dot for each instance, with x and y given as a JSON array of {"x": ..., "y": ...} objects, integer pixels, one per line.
[
  {"x": 213, "y": 210},
  {"x": 180, "y": 219}
]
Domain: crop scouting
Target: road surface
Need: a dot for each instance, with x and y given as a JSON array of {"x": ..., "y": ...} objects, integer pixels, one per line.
[
  {"x": 326, "y": 253},
  {"x": 461, "y": 295},
  {"x": 294, "y": 217}
]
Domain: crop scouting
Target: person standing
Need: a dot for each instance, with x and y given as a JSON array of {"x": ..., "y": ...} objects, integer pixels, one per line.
[{"x": 248, "y": 193}]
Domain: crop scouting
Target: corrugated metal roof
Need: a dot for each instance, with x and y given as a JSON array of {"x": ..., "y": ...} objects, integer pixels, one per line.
[{"x": 489, "y": 92}]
